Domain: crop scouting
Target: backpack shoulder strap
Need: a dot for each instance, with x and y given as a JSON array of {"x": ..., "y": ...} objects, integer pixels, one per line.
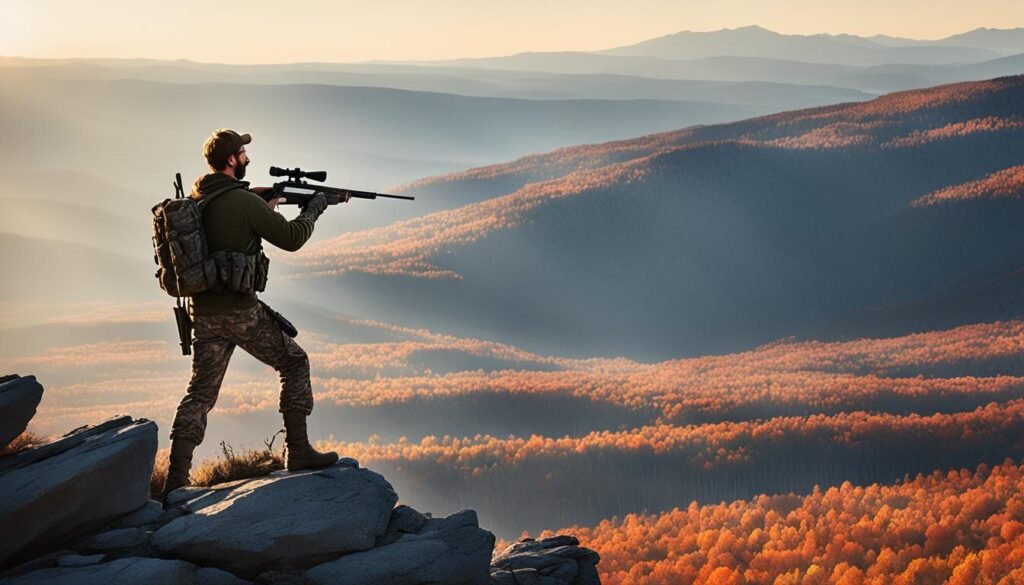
[{"x": 206, "y": 198}]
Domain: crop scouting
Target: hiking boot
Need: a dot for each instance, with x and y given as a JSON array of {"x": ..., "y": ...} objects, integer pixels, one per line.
[
  {"x": 178, "y": 468},
  {"x": 302, "y": 455}
]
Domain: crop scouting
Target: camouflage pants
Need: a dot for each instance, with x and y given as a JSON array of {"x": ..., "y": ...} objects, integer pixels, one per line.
[{"x": 257, "y": 332}]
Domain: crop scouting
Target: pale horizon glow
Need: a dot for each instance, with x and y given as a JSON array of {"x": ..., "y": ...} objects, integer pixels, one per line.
[{"x": 346, "y": 31}]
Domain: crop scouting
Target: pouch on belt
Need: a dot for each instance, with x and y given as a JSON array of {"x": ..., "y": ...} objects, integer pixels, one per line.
[{"x": 285, "y": 324}]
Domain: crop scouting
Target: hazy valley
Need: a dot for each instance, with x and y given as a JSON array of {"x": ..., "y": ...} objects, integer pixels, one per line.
[{"x": 657, "y": 293}]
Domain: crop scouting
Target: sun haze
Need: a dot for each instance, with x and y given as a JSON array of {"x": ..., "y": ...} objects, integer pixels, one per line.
[{"x": 261, "y": 31}]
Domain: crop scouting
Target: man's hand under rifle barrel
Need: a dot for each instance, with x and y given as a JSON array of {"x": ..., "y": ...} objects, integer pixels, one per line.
[{"x": 295, "y": 191}]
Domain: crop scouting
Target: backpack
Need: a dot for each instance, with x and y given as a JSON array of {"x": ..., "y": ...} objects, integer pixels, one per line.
[{"x": 186, "y": 266}]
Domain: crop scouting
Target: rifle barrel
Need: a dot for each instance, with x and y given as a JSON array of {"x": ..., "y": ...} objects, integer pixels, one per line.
[
  {"x": 307, "y": 189},
  {"x": 361, "y": 194},
  {"x": 406, "y": 197}
]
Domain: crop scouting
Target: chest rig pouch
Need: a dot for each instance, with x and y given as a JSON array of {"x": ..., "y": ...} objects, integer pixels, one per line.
[{"x": 241, "y": 272}]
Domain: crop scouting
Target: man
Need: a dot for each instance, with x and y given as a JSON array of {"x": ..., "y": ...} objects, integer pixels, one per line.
[{"x": 235, "y": 219}]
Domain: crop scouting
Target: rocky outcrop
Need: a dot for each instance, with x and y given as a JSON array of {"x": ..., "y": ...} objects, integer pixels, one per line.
[
  {"x": 76, "y": 510},
  {"x": 287, "y": 519},
  {"x": 132, "y": 570},
  {"x": 558, "y": 560},
  {"x": 452, "y": 550},
  {"x": 19, "y": 398},
  {"x": 80, "y": 482}
]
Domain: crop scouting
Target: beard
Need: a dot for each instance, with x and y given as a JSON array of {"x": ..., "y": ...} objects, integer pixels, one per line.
[{"x": 240, "y": 171}]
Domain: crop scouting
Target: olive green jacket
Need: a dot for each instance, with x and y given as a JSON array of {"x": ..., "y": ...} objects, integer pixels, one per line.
[{"x": 238, "y": 220}]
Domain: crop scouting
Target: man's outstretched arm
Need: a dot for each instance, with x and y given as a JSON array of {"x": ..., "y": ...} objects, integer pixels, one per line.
[{"x": 274, "y": 228}]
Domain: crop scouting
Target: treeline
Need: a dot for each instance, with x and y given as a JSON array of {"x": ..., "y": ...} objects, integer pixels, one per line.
[
  {"x": 897, "y": 120},
  {"x": 731, "y": 399},
  {"x": 958, "y": 527},
  {"x": 537, "y": 482},
  {"x": 480, "y": 183},
  {"x": 956, "y": 130},
  {"x": 406, "y": 247},
  {"x": 460, "y": 386},
  {"x": 1007, "y": 183},
  {"x": 897, "y": 375},
  {"x": 896, "y": 115}
]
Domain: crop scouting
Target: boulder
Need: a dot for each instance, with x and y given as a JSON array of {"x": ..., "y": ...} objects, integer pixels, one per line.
[
  {"x": 60, "y": 491},
  {"x": 522, "y": 577},
  {"x": 19, "y": 398},
  {"x": 558, "y": 560},
  {"x": 113, "y": 540},
  {"x": 287, "y": 519},
  {"x": 446, "y": 551},
  {"x": 404, "y": 520},
  {"x": 147, "y": 515},
  {"x": 128, "y": 571},
  {"x": 79, "y": 560}
]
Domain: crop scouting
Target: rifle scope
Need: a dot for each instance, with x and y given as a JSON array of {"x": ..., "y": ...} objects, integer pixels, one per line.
[{"x": 297, "y": 173}]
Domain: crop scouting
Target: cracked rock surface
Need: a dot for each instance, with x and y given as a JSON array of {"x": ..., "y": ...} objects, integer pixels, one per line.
[
  {"x": 452, "y": 550},
  {"x": 286, "y": 519},
  {"x": 132, "y": 570},
  {"x": 76, "y": 484},
  {"x": 559, "y": 560}
]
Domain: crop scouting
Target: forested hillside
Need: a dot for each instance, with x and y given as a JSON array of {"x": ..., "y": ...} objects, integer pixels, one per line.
[
  {"x": 714, "y": 238},
  {"x": 960, "y": 527}
]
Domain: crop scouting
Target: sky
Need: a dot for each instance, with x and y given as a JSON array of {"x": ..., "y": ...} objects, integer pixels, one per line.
[{"x": 264, "y": 31}]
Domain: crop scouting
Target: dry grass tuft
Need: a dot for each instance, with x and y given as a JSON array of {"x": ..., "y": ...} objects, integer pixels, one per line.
[
  {"x": 156, "y": 480},
  {"x": 229, "y": 466},
  {"x": 23, "y": 442}
]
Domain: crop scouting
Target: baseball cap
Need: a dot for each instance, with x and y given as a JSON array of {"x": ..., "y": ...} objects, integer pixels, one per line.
[{"x": 222, "y": 144}]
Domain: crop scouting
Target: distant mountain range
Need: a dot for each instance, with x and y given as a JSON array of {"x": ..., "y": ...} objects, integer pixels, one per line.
[
  {"x": 762, "y": 45},
  {"x": 571, "y": 81},
  {"x": 387, "y": 123},
  {"x": 754, "y": 41},
  {"x": 994, "y": 39},
  {"x": 876, "y": 64},
  {"x": 715, "y": 238},
  {"x": 568, "y": 75}
]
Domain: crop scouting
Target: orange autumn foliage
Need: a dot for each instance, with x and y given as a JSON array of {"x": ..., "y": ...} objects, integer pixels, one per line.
[
  {"x": 1005, "y": 184},
  {"x": 406, "y": 246},
  {"x": 900, "y": 374},
  {"x": 954, "y": 527},
  {"x": 782, "y": 378},
  {"x": 415, "y": 247},
  {"x": 955, "y": 129},
  {"x": 710, "y": 446}
]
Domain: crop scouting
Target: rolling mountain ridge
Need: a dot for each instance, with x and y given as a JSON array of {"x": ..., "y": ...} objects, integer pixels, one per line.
[
  {"x": 706, "y": 239},
  {"x": 755, "y": 41}
]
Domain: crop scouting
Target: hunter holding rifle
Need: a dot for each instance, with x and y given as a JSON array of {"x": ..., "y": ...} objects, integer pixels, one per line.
[{"x": 235, "y": 220}]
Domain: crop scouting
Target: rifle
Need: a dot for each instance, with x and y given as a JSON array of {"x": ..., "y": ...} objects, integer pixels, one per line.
[
  {"x": 181, "y": 316},
  {"x": 295, "y": 191}
]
